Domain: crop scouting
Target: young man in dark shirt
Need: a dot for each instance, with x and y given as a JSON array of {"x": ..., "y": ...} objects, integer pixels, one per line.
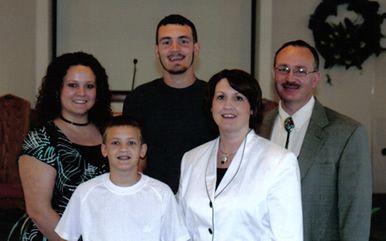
[{"x": 171, "y": 108}]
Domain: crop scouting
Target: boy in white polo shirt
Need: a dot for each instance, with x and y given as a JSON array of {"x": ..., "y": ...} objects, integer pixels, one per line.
[{"x": 123, "y": 204}]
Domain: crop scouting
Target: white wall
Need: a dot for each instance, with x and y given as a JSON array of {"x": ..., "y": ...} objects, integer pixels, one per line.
[
  {"x": 24, "y": 46},
  {"x": 117, "y": 32},
  {"x": 17, "y": 48}
]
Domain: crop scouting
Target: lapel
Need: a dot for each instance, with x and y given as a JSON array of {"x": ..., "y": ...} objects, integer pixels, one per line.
[
  {"x": 211, "y": 170},
  {"x": 314, "y": 138}
]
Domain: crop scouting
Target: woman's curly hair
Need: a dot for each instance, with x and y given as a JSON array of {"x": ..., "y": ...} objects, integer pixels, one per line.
[{"x": 48, "y": 103}]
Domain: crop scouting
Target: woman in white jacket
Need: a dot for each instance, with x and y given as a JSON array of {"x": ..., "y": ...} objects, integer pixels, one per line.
[{"x": 239, "y": 186}]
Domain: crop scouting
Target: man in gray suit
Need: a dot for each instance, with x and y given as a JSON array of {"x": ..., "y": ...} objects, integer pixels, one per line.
[{"x": 332, "y": 149}]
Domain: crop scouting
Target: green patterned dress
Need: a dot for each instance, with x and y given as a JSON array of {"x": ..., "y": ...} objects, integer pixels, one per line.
[{"x": 74, "y": 164}]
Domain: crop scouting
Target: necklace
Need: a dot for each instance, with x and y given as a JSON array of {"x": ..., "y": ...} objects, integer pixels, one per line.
[
  {"x": 225, "y": 156},
  {"x": 73, "y": 123},
  {"x": 235, "y": 174}
]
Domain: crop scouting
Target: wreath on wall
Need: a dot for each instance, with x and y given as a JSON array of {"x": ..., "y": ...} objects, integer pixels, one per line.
[{"x": 351, "y": 43}]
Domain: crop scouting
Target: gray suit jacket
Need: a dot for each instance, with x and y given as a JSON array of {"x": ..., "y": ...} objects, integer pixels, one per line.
[{"x": 336, "y": 177}]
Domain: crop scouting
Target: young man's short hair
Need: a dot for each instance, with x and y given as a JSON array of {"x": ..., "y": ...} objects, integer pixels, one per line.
[{"x": 178, "y": 20}]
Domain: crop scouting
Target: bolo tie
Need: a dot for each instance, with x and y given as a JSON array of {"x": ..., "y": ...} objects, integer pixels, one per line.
[{"x": 289, "y": 125}]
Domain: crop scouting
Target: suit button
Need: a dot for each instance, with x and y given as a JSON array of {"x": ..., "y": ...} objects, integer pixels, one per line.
[
  {"x": 210, "y": 204},
  {"x": 210, "y": 230}
]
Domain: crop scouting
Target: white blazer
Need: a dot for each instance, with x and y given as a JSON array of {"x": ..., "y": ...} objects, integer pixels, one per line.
[{"x": 258, "y": 198}]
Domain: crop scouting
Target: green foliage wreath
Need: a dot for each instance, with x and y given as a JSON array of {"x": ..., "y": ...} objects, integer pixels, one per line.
[{"x": 347, "y": 44}]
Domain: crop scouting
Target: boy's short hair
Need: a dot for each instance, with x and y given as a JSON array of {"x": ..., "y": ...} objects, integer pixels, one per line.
[{"x": 123, "y": 121}]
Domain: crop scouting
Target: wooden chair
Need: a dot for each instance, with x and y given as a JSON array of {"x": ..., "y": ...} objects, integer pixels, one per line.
[
  {"x": 118, "y": 97},
  {"x": 269, "y": 104},
  {"x": 14, "y": 126}
]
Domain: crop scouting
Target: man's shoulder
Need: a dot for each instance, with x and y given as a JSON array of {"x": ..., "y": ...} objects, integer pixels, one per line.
[
  {"x": 335, "y": 117},
  {"x": 143, "y": 93},
  {"x": 158, "y": 83},
  {"x": 146, "y": 87},
  {"x": 201, "y": 82}
]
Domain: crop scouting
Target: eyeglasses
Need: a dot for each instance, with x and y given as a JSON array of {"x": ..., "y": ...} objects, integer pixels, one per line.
[{"x": 297, "y": 72}]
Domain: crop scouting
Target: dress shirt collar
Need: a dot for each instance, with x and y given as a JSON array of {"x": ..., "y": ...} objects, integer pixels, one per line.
[{"x": 301, "y": 116}]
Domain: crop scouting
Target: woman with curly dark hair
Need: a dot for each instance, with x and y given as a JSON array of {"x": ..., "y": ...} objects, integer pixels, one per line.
[{"x": 73, "y": 105}]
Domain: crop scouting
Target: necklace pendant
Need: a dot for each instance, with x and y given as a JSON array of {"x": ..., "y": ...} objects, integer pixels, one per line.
[{"x": 224, "y": 158}]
